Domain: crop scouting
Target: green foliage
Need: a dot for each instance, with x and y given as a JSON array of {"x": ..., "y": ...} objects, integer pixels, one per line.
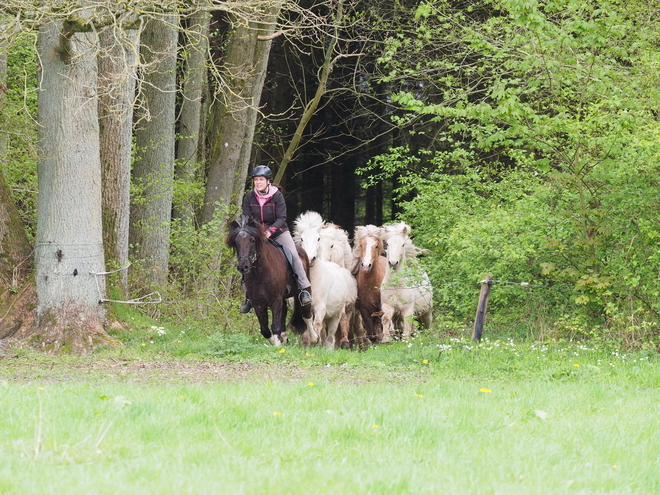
[
  {"x": 543, "y": 164},
  {"x": 18, "y": 114}
]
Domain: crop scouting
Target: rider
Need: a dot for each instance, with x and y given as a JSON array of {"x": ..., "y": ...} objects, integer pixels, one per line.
[{"x": 265, "y": 203}]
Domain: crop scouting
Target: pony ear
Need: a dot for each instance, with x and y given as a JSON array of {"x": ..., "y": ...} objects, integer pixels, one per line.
[{"x": 234, "y": 225}]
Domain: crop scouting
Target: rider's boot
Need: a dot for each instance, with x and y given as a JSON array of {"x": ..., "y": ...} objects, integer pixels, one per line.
[{"x": 246, "y": 307}]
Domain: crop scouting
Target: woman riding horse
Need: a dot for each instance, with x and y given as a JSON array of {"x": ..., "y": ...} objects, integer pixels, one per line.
[{"x": 265, "y": 203}]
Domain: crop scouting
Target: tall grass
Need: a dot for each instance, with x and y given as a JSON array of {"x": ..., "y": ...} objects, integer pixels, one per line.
[{"x": 419, "y": 417}]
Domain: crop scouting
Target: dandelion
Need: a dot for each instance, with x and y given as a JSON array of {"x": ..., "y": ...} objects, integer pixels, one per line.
[
  {"x": 375, "y": 426},
  {"x": 576, "y": 365},
  {"x": 311, "y": 384},
  {"x": 426, "y": 361},
  {"x": 419, "y": 395},
  {"x": 180, "y": 396},
  {"x": 144, "y": 345},
  {"x": 485, "y": 390},
  {"x": 282, "y": 351},
  {"x": 179, "y": 341},
  {"x": 277, "y": 413},
  {"x": 41, "y": 388}
]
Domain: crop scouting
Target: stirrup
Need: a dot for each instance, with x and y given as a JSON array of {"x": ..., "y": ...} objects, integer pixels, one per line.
[{"x": 304, "y": 297}]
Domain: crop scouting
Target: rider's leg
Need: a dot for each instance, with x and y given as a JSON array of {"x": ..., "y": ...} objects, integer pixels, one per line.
[{"x": 304, "y": 284}]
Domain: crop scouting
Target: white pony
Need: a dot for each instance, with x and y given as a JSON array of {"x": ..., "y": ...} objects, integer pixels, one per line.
[
  {"x": 406, "y": 291},
  {"x": 333, "y": 287},
  {"x": 334, "y": 246}
]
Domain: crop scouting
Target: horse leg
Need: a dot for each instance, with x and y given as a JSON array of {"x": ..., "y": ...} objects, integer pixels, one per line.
[
  {"x": 283, "y": 336},
  {"x": 331, "y": 326},
  {"x": 344, "y": 328},
  {"x": 407, "y": 324},
  {"x": 309, "y": 336},
  {"x": 319, "y": 318},
  {"x": 279, "y": 317},
  {"x": 262, "y": 315},
  {"x": 388, "y": 317}
]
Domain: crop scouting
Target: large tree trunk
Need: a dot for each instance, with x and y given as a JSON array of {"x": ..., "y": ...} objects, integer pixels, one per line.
[
  {"x": 234, "y": 118},
  {"x": 69, "y": 244},
  {"x": 153, "y": 172},
  {"x": 117, "y": 64},
  {"x": 194, "y": 80}
]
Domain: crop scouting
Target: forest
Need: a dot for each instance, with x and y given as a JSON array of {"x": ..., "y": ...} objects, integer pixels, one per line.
[{"x": 518, "y": 138}]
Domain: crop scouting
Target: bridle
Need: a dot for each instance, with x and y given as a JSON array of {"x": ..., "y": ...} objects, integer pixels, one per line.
[{"x": 252, "y": 259}]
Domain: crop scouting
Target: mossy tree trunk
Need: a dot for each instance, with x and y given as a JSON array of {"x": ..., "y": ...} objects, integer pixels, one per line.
[
  {"x": 69, "y": 241},
  {"x": 153, "y": 171}
]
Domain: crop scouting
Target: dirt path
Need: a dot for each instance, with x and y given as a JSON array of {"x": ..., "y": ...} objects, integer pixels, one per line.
[{"x": 54, "y": 370}]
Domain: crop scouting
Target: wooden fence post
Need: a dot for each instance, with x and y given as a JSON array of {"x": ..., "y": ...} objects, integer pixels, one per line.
[{"x": 481, "y": 308}]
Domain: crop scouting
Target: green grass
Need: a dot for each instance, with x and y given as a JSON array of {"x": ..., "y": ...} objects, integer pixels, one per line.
[{"x": 236, "y": 416}]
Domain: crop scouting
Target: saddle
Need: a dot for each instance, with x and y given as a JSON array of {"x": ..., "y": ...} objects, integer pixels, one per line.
[{"x": 287, "y": 255}]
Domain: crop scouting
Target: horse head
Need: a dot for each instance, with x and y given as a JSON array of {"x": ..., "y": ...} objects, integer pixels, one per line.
[
  {"x": 368, "y": 246},
  {"x": 395, "y": 237},
  {"x": 245, "y": 237},
  {"x": 307, "y": 233}
]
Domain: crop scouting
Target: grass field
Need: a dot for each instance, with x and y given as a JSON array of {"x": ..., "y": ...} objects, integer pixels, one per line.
[{"x": 230, "y": 415}]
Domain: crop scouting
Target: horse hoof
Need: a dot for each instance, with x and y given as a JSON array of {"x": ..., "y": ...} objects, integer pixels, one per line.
[
  {"x": 345, "y": 345},
  {"x": 284, "y": 338},
  {"x": 275, "y": 340}
]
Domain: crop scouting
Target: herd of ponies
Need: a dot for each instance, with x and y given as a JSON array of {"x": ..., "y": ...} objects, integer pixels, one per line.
[{"x": 366, "y": 292}]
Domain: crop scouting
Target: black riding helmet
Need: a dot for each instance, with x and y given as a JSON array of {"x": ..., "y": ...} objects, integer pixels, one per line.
[{"x": 262, "y": 171}]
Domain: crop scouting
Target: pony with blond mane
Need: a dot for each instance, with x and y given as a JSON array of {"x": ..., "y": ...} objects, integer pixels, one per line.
[
  {"x": 334, "y": 246},
  {"x": 406, "y": 291},
  {"x": 333, "y": 287},
  {"x": 369, "y": 271}
]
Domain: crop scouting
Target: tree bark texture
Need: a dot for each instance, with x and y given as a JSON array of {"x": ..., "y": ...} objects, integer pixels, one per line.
[
  {"x": 190, "y": 113},
  {"x": 117, "y": 62},
  {"x": 234, "y": 117},
  {"x": 69, "y": 241},
  {"x": 153, "y": 171}
]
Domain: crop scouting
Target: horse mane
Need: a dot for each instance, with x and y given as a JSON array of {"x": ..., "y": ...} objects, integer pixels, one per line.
[
  {"x": 361, "y": 232},
  {"x": 245, "y": 223},
  {"x": 403, "y": 229},
  {"x": 308, "y": 220}
]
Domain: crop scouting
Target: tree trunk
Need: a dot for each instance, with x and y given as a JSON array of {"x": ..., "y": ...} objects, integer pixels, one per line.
[
  {"x": 69, "y": 244},
  {"x": 116, "y": 63},
  {"x": 234, "y": 119},
  {"x": 153, "y": 172},
  {"x": 194, "y": 79},
  {"x": 3, "y": 92}
]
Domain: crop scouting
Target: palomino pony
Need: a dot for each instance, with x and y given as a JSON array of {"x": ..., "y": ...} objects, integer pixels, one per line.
[
  {"x": 406, "y": 291},
  {"x": 269, "y": 281},
  {"x": 333, "y": 287},
  {"x": 369, "y": 272}
]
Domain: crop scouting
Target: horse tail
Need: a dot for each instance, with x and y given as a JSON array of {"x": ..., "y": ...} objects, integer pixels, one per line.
[{"x": 297, "y": 322}]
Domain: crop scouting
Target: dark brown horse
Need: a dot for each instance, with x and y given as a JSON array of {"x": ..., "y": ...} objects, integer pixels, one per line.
[
  {"x": 369, "y": 271},
  {"x": 269, "y": 281}
]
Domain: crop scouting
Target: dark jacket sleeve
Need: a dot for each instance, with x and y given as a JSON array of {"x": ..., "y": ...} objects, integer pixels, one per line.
[{"x": 279, "y": 225}]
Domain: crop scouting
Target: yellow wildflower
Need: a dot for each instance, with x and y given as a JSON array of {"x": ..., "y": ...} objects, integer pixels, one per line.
[
  {"x": 485, "y": 390},
  {"x": 282, "y": 351}
]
